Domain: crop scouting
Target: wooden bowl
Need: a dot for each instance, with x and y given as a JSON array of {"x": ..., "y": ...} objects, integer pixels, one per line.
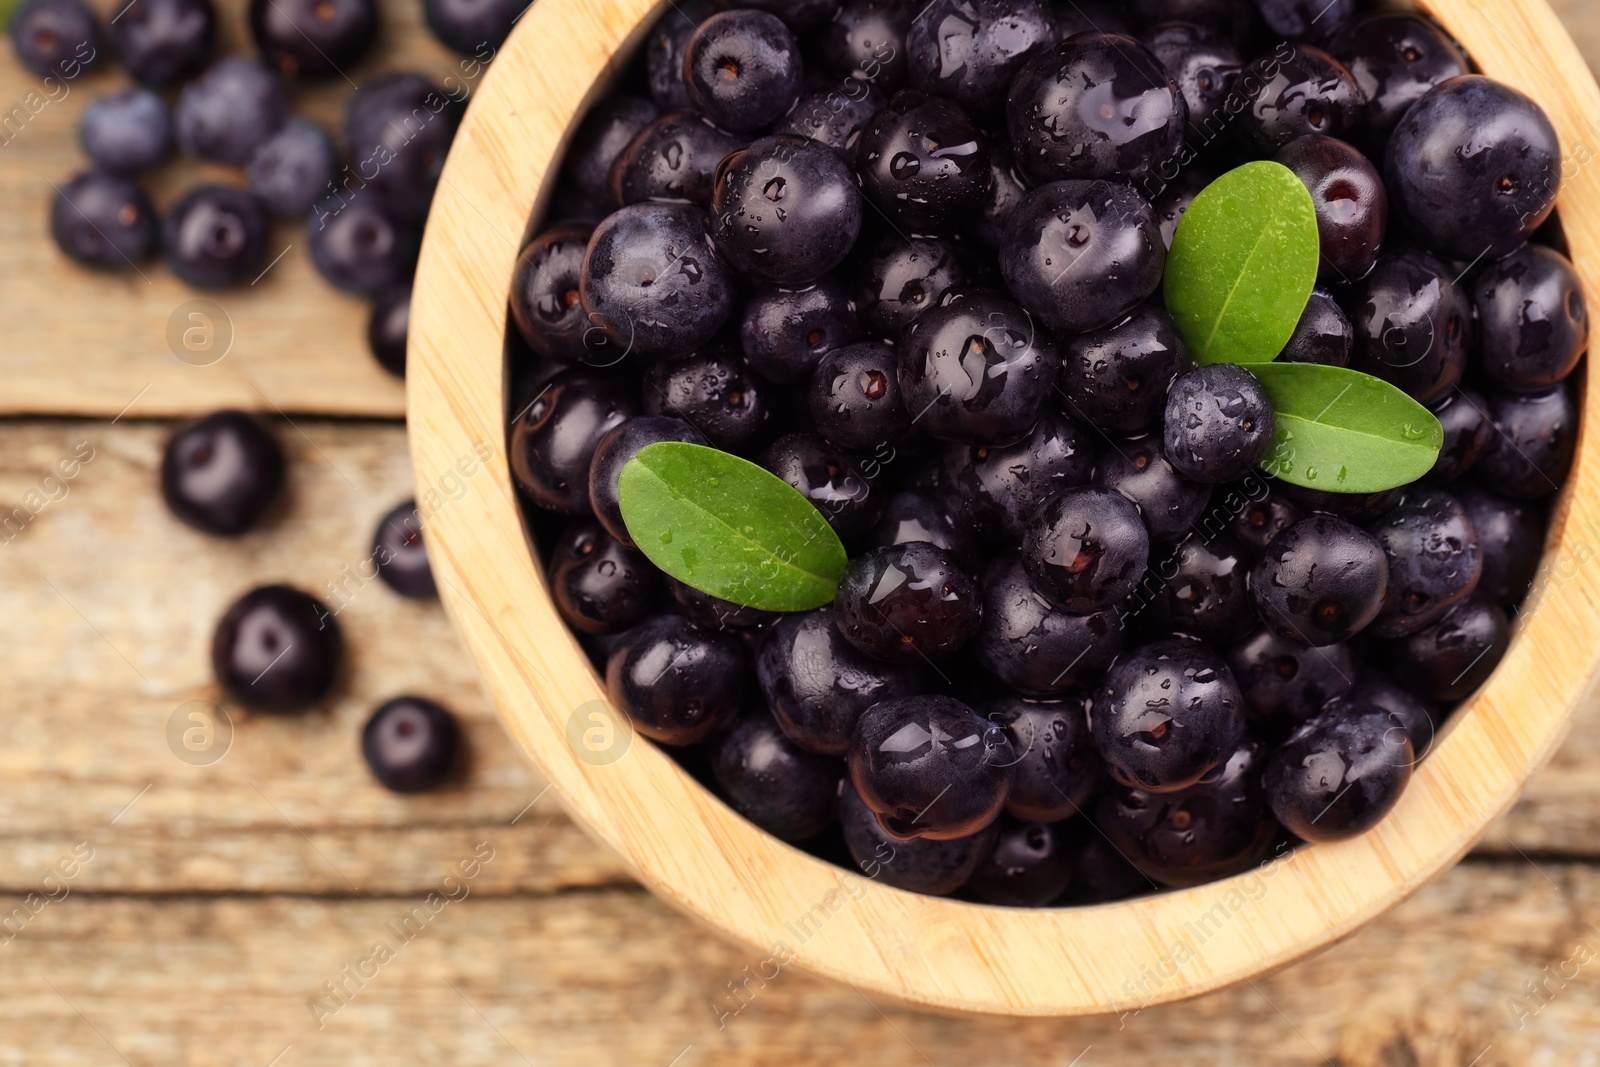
[{"x": 693, "y": 851}]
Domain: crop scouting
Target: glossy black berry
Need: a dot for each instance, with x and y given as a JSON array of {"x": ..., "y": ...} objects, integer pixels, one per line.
[
  {"x": 1306, "y": 20},
  {"x": 292, "y": 169},
  {"x": 1166, "y": 715},
  {"x": 1057, "y": 769},
  {"x": 785, "y": 210},
  {"x": 917, "y": 515},
  {"x": 472, "y": 27},
  {"x": 216, "y": 236},
  {"x": 1464, "y": 416},
  {"x": 714, "y": 613},
  {"x": 1086, "y": 549},
  {"x": 1532, "y": 319},
  {"x": 786, "y": 332},
  {"x": 1003, "y": 193},
  {"x": 976, "y": 368},
  {"x": 126, "y": 132},
  {"x": 787, "y": 791},
  {"x": 855, "y": 396},
  {"x": 664, "y": 53},
  {"x": 1219, "y": 423},
  {"x": 222, "y": 473},
  {"x": 276, "y": 649},
  {"x": 1285, "y": 682},
  {"x": 1171, "y": 200},
  {"x": 410, "y": 744},
  {"x": 829, "y": 478},
  {"x": 612, "y": 453},
  {"x": 1309, "y": 92},
  {"x": 1204, "y": 589},
  {"x": 1168, "y": 502},
  {"x": 997, "y": 489},
  {"x": 866, "y": 42},
  {"x": 743, "y": 69},
  {"x": 1351, "y": 204},
  {"x": 1261, "y": 514},
  {"x": 923, "y": 162},
  {"x": 1395, "y": 57},
  {"x": 314, "y": 38},
  {"x": 399, "y": 554},
  {"x": 676, "y": 682},
  {"x": 359, "y": 246},
  {"x": 162, "y": 42},
  {"x": 397, "y": 129},
  {"x": 1434, "y": 560},
  {"x": 602, "y": 137},
  {"x": 545, "y": 302},
  {"x": 1029, "y": 867},
  {"x": 553, "y": 438},
  {"x": 1418, "y": 716},
  {"x": 922, "y": 865},
  {"x": 388, "y": 324},
  {"x": 103, "y": 221},
  {"x": 1082, "y": 254},
  {"x": 673, "y": 159},
  {"x": 1535, "y": 435},
  {"x": 1457, "y": 654},
  {"x": 1323, "y": 335},
  {"x": 898, "y": 278},
  {"x": 652, "y": 283},
  {"x": 1035, "y": 647},
  {"x": 1117, "y": 378},
  {"x": 713, "y": 391},
  {"x": 801, "y": 16},
  {"x": 56, "y": 38},
  {"x": 1321, "y": 580},
  {"x": 1094, "y": 106},
  {"x": 1206, "y": 67},
  {"x": 970, "y": 50},
  {"x": 907, "y": 603},
  {"x": 223, "y": 114},
  {"x": 598, "y": 585},
  {"x": 1413, "y": 324},
  {"x": 1217, "y": 827},
  {"x": 1355, "y": 507},
  {"x": 1341, "y": 773},
  {"x": 834, "y": 117},
  {"x": 1510, "y": 537}
]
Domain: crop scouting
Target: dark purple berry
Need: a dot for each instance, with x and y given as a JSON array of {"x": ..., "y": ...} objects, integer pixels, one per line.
[
  {"x": 472, "y": 26},
  {"x": 1204, "y": 589},
  {"x": 916, "y": 515},
  {"x": 410, "y": 744},
  {"x": 1219, "y": 424},
  {"x": 898, "y": 278},
  {"x": 922, "y": 865},
  {"x": 56, "y": 38},
  {"x": 216, "y": 236},
  {"x": 1351, "y": 204},
  {"x": 1029, "y": 867},
  {"x": 1320, "y": 581},
  {"x": 997, "y": 489},
  {"x": 1117, "y": 378},
  {"x": 1457, "y": 654},
  {"x": 970, "y": 50},
  {"x": 834, "y": 117},
  {"x": 400, "y": 556},
  {"x": 923, "y": 162},
  {"x": 1086, "y": 549},
  {"x": 226, "y": 112},
  {"x": 293, "y": 168},
  {"x": 829, "y": 478},
  {"x": 1323, "y": 335},
  {"x": 866, "y": 42},
  {"x": 1309, "y": 92},
  {"x": 907, "y": 603},
  {"x": 673, "y": 159},
  {"x": 104, "y": 221},
  {"x": 787, "y": 791},
  {"x": 784, "y": 210},
  {"x": 1285, "y": 682},
  {"x": 612, "y": 453},
  {"x": 222, "y": 473},
  {"x": 855, "y": 396},
  {"x": 1340, "y": 773},
  {"x": 676, "y": 682},
  {"x": 398, "y": 128},
  {"x": 743, "y": 69},
  {"x": 1168, "y": 502},
  {"x": 387, "y": 327},
  {"x": 1262, "y": 515},
  {"x": 163, "y": 42},
  {"x": 358, "y": 246},
  {"x": 786, "y": 332},
  {"x": 1418, "y": 715},
  {"x": 1413, "y": 324},
  {"x": 1532, "y": 319},
  {"x": 1464, "y": 416},
  {"x": 126, "y": 132},
  {"x": 553, "y": 438},
  {"x": 1511, "y": 538},
  {"x": 276, "y": 649},
  {"x": 314, "y": 38},
  {"x": 664, "y": 53},
  {"x": 545, "y": 302},
  {"x": 1434, "y": 561},
  {"x": 1035, "y": 647},
  {"x": 1395, "y": 57},
  {"x": 713, "y": 391},
  {"x": 605, "y": 133},
  {"x": 598, "y": 585},
  {"x": 1057, "y": 769},
  {"x": 1534, "y": 439}
]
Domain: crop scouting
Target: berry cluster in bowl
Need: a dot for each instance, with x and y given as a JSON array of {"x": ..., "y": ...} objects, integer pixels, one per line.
[{"x": 1047, "y": 452}]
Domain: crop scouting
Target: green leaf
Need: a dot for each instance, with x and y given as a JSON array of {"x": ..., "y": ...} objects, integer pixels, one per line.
[
  {"x": 729, "y": 528},
  {"x": 1242, "y": 264},
  {"x": 1342, "y": 431}
]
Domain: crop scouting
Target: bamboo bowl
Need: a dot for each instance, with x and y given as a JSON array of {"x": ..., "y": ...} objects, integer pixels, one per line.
[{"x": 694, "y": 852}]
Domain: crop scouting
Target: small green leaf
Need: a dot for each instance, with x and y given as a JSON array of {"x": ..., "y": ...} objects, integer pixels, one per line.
[
  {"x": 1242, "y": 264},
  {"x": 729, "y": 528},
  {"x": 1342, "y": 431}
]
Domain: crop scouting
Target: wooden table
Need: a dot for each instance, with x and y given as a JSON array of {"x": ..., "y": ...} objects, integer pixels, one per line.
[{"x": 175, "y": 913}]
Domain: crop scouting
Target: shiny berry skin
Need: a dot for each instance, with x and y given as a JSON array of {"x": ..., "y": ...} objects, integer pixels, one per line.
[
  {"x": 1219, "y": 423},
  {"x": 387, "y": 327},
  {"x": 784, "y": 210},
  {"x": 970, "y": 50},
  {"x": 613, "y": 451},
  {"x": 923, "y": 163},
  {"x": 1004, "y": 192},
  {"x": 293, "y": 168},
  {"x": 1082, "y": 254},
  {"x": 358, "y": 246},
  {"x": 997, "y": 489},
  {"x": 1215, "y": 828},
  {"x": 553, "y": 438},
  {"x": 788, "y": 792},
  {"x": 1168, "y": 502},
  {"x": 276, "y": 649},
  {"x": 1321, "y": 580},
  {"x": 1464, "y": 416},
  {"x": 1171, "y": 200},
  {"x": 855, "y": 396},
  {"x": 676, "y": 682},
  {"x": 1434, "y": 561},
  {"x": 1306, "y": 20},
  {"x": 922, "y": 865},
  {"x": 410, "y": 744},
  {"x": 606, "y": 132},
  {"x": 1413, "y": 324},
  {"x": 713, "y": 391},
  {"x": 1473, "y": 168},
  {"x": 898, "y": 278},
  {"x": 673, "y": 159},
  {"x": 313, "y": 38},
  {"x": 1418, "y": 715},
  {"x": 1057, "y": 769},
  {"x": 1262, "y": 515},
  {"x": 930, "y": 766},
  {"x": 1310, "y": 92},
  {"x": 126, "y": 132},
  {"x": 907, "y": 603},
  {"x": 400, "y": 555},
  {"x": 917, "y": 515},
  {"x": 1029, "y": 867},
  {"x": 1205, "y": 589},
  {"x": 652, "y": 283},
  {"x": 222, "y": 115},
  {"x": 1339, "y": 774},
  {"x": 1355, "y": 507},
  {"x": 1285, "y": 682},
  {"x": 1086, "y": 549},
  {"x": 399, "y": 128},
  {"x": 786, "y": 332},
  {"x": 818, "y": 684},
  {"x": 1457, "y": 654},
  {"x": 834, "y": 117},
  {"x": 1205, "y": 66},
  {"x": 1511, "y": 538},
  {"x": 976, "y": 368},
  {"x": 598, "y": 585},
  {"x": 104, "y": 221},
  {"x": 1323, "y": 335},
  {"x": 1351, "y": 204},
  {"x": 216, "y": 236},
  {"x": 222, "y": 473},
  {"x": 714, "y": 613},
  {"x": 1117, "y": 378},
  {"x": 664, "y": 53},
  {"x": 1094, "y": 106},
  {"x": 1035, "y": 647},
  {"x": 1535, "y": 435},
  {"x": 866, "y": 42},
  {"x": 545, "y": 304},
  {"x": 743, "y": 69},
  {"x": 1395, "y": 58},
  {"x": 470, "y": 26},
  {"x": 1166, "y": 715},
  {"x": 1532, "y": 319},
  {"x": 163, "y": 42},
  {"x": 828, "y": 477},
  {"x": 55, "y": 37},
  {"x": 1100, "y": 874}
]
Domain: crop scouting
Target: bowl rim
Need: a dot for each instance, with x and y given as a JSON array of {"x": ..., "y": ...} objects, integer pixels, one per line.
[{"x": 697, "y": 854}]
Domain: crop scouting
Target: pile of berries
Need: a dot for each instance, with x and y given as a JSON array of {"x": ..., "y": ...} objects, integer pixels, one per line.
[{"x": 908, "y": 258}]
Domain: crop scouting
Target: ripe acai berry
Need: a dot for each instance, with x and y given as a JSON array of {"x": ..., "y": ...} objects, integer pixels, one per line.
[
  {"x": 674, "y": 158},
  {"x": 605, "y": 133},
  {"x": 714, "y": 391},
  {"x": 1035, "y": 647},
  {"x": 1510, "y": 536},
  {"x": 1206, "y": 67},
  {"x": 126, "y": 132},
  {"x": 1395, "y": 58},
  {"x": 56, "y": 38},
  {"x": 855, "y": 396},
  {"x": 545, "y": 303},
  {"x": 918, "y": 515},
  {"x": 1418, "y": 715},
  {"x": 222, "y": 473},
  {"x": 291, "y": 170},
  {"x": 103, "y": 221},
  {"x": 400, "y": 555},
  {"x": 1086, "y": 549},
  {"x": 388, "y": 325},
  {"x": 162, "y": 42},
  {"x": 1532, "y": 319},
  {"x": 1464, "y": 417},
  {"x": 907, "y": 603},
  {"x": 1340, "y": 773},
  {"x": 1117, "y": 378},
  {"x": 785, "y": 332},
  {"x": 997, "y": 489},
  {"x": 410, "y": 744},
  {"x": 1454, "y": 656},
  {"x": 216, "y": 236},
  {"x": 1351, "y": 204},
  {"x": 1323, "y": 335},
  {"x": 1413, "y": 324},
  {"x": 1057, "y": 769},
  {"x": 785, "y": 210},
  {"x": 1219, "y": 423},
  {"x": 276, "y": 649},
  {"x": 1310, "y": 92},
  {"x": 553, "y": 438},
  {"x": 898, "y": 278},
  {"x": 782, "y": 788},
  {"x": 227, "y": 111},
  {"x": 599, "y": 585},
  {"x": 1285, "y": 682},
  {"x": 866, "y": 42},
  {"x": 398, "y": 128},
  {"x": 828, "y": 477},
  {"x": 1205, "y": 589},
  {"x": 970, "y": 50},
  {"x": 1028, "y": 868},
  {"x": 676, "y": 682},
  {"x": 1434, "y": 560},
  {"x": 313, "y": 38},
  {"x": 612, "y": 453},
  {"x": 1320, "y": 581},
  {"x": 359, "y": 246},
  {"x": 923, "y": 162},
  {"x": 743, "y": 69},
  {"x": 471, "y": 26},
  {"x": 922, "y": 865},
  {"x": 834, "y": 117},
  {"x": 1169, "y": 503},
  {"x": 1532, "y": 446},
  {"x": 1260, "y": 514}
]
